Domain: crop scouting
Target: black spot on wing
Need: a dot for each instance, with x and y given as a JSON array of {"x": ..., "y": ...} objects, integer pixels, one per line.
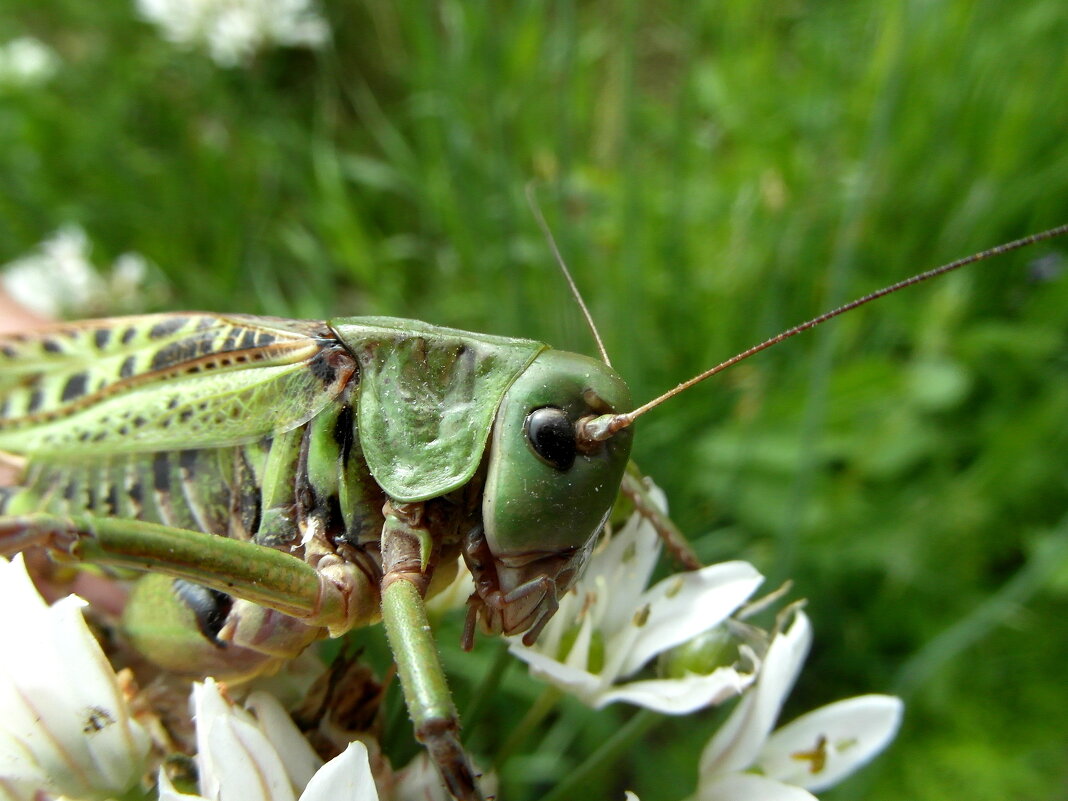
[
  {"x": 35, "y": 402},
  {"x": 128, "y": 335},
  {"x": 76, "y": 386},
  {"x": 8, "y": 351},
  {"x": 128, "y": 365},
  {"x": 248, "y": 340},
  {"x": 175, "y": 353},
  {"x": 101, "y": 337},
  {"x": 51, "y": 346},
  {"x": 322, "y": 366},
  {"x": 166, "y": 327}
]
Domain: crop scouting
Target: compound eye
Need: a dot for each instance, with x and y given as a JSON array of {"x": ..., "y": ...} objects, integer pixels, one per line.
[{"x": 552, "y": 436}]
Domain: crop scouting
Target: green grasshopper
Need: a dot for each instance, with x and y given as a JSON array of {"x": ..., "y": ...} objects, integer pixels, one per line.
[{"x": 284, "y": 480}]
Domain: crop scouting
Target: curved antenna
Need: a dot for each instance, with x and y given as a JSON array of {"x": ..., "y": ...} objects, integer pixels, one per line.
[
  {"x": 534, "y": 207},
  {"x": 596, "y": 429}
]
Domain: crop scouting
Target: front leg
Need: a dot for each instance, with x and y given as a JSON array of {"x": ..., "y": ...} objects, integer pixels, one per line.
[{"x": 407, "y": 550}]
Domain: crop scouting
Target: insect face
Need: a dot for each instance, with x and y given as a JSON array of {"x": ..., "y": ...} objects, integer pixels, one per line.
[{"x": 546, "y": 496}]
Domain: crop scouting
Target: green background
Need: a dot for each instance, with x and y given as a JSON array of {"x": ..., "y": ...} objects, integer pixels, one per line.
[{"x": 715, "y": 172}]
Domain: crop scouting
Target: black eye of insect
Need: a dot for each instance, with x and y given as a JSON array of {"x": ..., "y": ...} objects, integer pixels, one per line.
[{"x": 552, "y": 436}]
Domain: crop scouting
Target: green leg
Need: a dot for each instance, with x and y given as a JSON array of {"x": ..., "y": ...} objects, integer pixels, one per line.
[
  {"x": 254, "y": 573},
  {"x": 404, "y": 583}
]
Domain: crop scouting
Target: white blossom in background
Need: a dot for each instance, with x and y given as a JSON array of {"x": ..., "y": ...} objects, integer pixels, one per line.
[
  {"x": 58, "y": 279},
  {"x": 744, "y": 761},
  {"x": 256, "y": 753},
  {"x": 65, "y": 725},
  {"x": 27, "y": 61},
  {"x": 609, "y": 626},
  {"x": 232, "y": 31}
]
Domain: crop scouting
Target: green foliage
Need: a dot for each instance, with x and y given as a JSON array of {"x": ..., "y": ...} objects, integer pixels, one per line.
[{"x": 714, "y": 172}]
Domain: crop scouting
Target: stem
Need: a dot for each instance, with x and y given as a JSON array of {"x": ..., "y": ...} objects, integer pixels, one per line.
[
  {"x": 544, "y": 704},
  {"x": 634, "y": 728},
  {"x": 486, "y": 690}
]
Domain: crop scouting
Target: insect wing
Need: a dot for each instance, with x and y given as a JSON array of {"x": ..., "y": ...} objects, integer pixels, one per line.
[{"x": 164, "y": 381}]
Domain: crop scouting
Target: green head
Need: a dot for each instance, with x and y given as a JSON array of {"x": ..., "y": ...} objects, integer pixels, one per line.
[{"x": 547, "y": 491}]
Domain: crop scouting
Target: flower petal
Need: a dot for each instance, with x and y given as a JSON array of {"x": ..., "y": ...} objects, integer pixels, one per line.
[
  {"x": 821, "y": 748},
  {"x": 65, "y": 726},
  {"x": 738, "y": 741},
  {"x": 346, "y": 777},
  {"x": 581, "y": 683},
  {"x": 621, "y": 569},
  {"x": 236, "y": 761},
  {"x": 298, "y": 758},
  {"x": 680, "y": 696},
  {"x": 750, "y": 787},
  {"x": 684, "y": 605}
]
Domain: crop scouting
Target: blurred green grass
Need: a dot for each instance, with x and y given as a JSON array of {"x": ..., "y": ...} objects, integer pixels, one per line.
[{"x": 714, "y": 172}]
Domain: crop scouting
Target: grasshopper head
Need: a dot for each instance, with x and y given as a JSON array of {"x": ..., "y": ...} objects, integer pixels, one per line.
[{"x": 547, "y": 493}]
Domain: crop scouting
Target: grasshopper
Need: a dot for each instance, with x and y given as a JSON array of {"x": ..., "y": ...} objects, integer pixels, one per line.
[{"x": 284, "y": 480}]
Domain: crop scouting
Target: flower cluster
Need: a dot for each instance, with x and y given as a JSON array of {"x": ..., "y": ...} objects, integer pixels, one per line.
[
  {"x": 58, "y": 279},
  {"x": 26, "y": 61},
  {"x": 609, "y": 626},
  {"x": 256, "y": 753},
  {"x": 65, "y": 724},
  {"x": 232, "y": 31},
  {"x": 68, "y": 728}
]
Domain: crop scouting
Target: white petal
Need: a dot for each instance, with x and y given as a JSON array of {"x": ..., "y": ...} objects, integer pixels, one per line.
[
  {"x": 619, "y": 573},
  {"x": 687, "y": 604},
  {"x": 680, "y": 696},
  {"x": 236, "y": 761},
  {"x": 64, "y": 723},
  {"x": 750, "y": 787},
  {"x": 583, "y": 685},
  {"x": 346, "y": 777},
  {"x": 245, "y": 765},
  {"x": 739, "y": 740},
  {"x": 821, "y": 748},
  {"x": 298, "y": 758}
]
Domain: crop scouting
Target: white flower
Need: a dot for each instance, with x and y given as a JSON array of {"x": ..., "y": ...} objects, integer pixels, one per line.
[
  {"x": 59, "y": 279},
  {"x": 27, "y": 61},
  {"x": 609, "y": 626},
  {"x": 233, "y": 30},
  {"x": 419, "y": 780},
  {"x": 65, "y": 726},
  {"x": 812, "y": 753},
  {"x": 258, "y": 754}
]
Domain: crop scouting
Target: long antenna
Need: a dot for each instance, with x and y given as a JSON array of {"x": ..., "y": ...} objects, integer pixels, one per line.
[
  {"x": 600, "y": 428},
  {"x": 533, "y": 201}
]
